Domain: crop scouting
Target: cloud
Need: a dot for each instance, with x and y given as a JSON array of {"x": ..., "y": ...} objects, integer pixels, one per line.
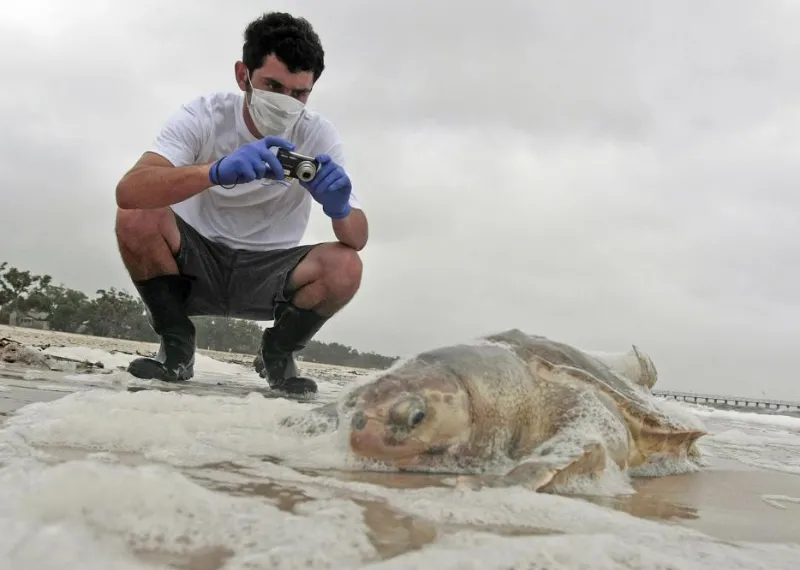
[{"x": 601, "y": 175}]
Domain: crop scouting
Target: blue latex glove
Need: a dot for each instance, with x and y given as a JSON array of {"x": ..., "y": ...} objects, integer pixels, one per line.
[
  {"x": 249, "y": 162},
  {"x": 331, "y": 187}
]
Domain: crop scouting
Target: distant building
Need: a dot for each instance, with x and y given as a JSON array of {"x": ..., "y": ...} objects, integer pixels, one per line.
[{"x": 31, "y": 320}]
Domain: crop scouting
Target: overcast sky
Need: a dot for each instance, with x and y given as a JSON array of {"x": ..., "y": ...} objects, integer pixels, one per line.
[{"x": 600, "y": 174}]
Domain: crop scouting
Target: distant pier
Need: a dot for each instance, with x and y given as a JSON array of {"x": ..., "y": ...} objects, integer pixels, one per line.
[{"x": 737, "y": 401}]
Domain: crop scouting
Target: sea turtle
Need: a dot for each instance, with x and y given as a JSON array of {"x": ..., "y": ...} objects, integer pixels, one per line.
[{"x": 551, "y": 410}]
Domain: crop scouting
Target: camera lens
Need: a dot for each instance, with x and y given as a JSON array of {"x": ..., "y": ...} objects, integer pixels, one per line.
[{"x": 306, "y": 171}]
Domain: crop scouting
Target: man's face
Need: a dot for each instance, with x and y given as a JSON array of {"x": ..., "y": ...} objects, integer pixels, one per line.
[{"x": 274, "y": 76}]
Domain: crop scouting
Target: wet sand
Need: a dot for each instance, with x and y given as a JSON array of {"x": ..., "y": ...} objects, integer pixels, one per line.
[{"x": 725, "y": 500}]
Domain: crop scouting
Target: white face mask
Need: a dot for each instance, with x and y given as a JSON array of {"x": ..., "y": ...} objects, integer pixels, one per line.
[{"x": 273, "y": 113}]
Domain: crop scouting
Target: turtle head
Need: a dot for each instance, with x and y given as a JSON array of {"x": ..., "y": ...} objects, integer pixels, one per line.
[{"x": 410, "y": 417}]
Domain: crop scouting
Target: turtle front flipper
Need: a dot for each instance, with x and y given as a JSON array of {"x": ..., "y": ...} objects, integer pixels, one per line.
[{"x": 543, "y": 471}]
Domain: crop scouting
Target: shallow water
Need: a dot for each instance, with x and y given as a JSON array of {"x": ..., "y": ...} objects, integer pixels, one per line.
[{"x": 92, "y": 475}]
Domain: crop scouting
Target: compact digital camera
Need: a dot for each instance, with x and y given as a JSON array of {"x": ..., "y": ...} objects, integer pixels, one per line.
[{"x": 296, "y": 165}]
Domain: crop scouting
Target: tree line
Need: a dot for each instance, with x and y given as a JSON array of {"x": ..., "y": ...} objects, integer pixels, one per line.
[{"x": 115, "y": 313}]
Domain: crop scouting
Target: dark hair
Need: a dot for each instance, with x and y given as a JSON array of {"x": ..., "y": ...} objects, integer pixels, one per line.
[{"x": 291, "y": 39}]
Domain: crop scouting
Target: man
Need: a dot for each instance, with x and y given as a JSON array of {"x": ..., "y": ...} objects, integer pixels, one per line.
[{"x": 208, "y": 225}]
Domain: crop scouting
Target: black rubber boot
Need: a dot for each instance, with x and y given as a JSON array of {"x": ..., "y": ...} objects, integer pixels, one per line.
[
  {"x": 165, "y": 297},
  {"x": 292, "y": 330}
]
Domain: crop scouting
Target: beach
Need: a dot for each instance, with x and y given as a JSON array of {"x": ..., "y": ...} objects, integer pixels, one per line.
[{"x": 210, "y": 481}]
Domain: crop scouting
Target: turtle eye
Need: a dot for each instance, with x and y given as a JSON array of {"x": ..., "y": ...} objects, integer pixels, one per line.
[
  {"x": 415, "y": 418},
  {"x": 408, "y": 413}
]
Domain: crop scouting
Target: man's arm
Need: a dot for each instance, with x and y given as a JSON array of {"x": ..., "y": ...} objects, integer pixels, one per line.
[
  {"x": 168, "y": 172},
  {"x": 154, "y": 182},
  {"x": 352, "y": 231}
]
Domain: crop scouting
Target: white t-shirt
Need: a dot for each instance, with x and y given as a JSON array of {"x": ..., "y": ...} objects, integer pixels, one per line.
[{"x": 258, "y": 215}]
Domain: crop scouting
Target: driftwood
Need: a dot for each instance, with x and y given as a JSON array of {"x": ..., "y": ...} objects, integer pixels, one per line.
[{"x": 14, "y": 352}]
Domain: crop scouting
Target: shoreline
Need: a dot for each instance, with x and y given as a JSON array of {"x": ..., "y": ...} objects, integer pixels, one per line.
[{"x": 58, "y": 338}]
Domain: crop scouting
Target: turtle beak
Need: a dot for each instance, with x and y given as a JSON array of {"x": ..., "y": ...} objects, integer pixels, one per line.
[
  {"x": 367, "y": 440},
  {"x": 365, "y": 436}
]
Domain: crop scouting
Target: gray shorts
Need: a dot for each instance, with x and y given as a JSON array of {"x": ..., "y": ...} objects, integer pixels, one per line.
[{"x": 232, "y": 282}]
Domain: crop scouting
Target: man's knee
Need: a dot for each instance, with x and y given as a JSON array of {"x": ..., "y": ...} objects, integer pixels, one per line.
[
  {"x": 342, "y": 271},
  {"x": 141, "y": 229},
  {"x": 330, "y": 273}
]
